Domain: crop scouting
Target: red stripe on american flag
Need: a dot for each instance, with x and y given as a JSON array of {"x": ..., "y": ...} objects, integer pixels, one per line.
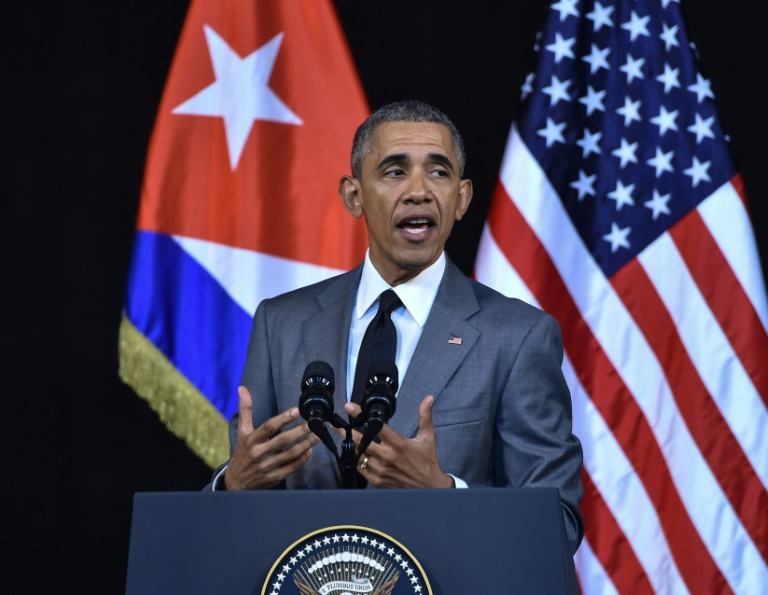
[
  {"x": 725, "y": 296},
  {"x": 709, "y": 429},
  {"x": 607, "y": 391},
  {"x": 609, "y": 543},
  {"x": 738, "y": 186}
]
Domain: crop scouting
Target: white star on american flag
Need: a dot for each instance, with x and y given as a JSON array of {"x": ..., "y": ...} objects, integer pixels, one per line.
[{"x": 618, "y": 237}]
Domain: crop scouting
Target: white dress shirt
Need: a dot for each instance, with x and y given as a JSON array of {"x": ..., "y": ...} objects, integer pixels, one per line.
[{"x": 417, "y": 296}]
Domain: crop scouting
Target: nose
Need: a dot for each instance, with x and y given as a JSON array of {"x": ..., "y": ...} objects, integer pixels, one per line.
[{"x": 418, "y": 190}]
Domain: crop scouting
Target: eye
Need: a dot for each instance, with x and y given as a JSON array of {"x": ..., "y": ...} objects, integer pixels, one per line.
[
  {"x": 439, "y": 172},
  {"x": 393, "y": 172}
]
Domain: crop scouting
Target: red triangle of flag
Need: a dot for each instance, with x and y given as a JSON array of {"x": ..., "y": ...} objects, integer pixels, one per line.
[{"x": 254, "y": 130}]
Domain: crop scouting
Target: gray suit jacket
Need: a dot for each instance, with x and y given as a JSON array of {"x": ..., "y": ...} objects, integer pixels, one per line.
[{"x": 502, "y": 410}]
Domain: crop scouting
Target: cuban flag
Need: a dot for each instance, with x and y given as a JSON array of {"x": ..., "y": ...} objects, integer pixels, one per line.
[
  {"x": 239, "y": 200},
  {"x": 619, "y": 211}
]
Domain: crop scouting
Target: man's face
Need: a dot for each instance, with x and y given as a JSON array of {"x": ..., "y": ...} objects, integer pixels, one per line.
[{"x": 410, "y": 192}]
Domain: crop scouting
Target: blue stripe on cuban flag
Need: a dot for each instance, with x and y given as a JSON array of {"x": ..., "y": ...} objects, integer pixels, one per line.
[{"x": 186, "y": 314}]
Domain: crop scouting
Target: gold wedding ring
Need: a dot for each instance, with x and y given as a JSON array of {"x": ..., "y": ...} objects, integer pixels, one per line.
[{"x": 364, "y": 464}]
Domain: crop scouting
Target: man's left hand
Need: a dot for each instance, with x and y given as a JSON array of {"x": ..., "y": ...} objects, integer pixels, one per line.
[{"x": 399, "y": 462}]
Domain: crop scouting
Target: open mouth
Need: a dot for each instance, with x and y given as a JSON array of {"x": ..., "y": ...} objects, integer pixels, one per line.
[{"x": 416, "y": 225}]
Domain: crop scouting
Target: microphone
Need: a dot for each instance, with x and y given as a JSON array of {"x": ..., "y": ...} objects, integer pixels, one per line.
[
  {"x": 316, "y": 400},
  {"x": 378, "y": 403}
]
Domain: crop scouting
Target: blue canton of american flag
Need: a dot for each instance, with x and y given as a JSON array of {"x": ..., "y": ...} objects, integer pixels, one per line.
[
  {"x": 618, "y": 212},
  {"x": 604, "y": 115}
]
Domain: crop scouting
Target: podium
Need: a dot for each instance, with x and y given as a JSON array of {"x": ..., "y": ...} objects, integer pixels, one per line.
[{"x": 470, "y": 541}]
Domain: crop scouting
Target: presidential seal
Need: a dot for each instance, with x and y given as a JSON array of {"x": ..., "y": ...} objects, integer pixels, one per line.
[{"x": 346, "y": 560}]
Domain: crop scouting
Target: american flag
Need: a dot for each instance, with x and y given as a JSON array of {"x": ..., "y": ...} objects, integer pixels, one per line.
[{"x": 618, "y": 211}]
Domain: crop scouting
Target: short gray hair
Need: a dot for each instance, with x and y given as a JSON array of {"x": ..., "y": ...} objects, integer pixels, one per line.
[{"x": 402, "y": 111}]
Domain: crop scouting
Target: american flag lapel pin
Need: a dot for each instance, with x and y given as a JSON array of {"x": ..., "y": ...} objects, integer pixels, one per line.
[{"x": 454, "y": 341}]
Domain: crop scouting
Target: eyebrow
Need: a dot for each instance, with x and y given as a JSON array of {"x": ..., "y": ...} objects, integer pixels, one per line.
[{"x": 404, "y": 158}]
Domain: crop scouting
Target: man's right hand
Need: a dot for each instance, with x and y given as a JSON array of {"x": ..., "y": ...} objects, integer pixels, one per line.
[{"x": 259, "y": 461}]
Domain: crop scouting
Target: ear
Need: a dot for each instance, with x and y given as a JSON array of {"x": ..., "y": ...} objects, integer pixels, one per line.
[
  {"x": 465, "y": 197},
  {"x": 349, "y": 189}
]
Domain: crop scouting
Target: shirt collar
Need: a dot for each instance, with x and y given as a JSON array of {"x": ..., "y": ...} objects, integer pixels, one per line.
[{"x": 417, "y": 294}]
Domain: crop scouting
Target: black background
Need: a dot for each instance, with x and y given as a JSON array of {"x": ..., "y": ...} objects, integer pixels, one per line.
[{"x": 81, "y": 82}]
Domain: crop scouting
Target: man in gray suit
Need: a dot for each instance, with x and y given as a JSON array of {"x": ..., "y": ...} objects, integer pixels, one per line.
[{"x": 482, "y": 401}]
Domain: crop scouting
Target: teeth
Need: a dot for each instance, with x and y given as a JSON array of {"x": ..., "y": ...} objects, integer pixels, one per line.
[{"x": 422, "y": 221}]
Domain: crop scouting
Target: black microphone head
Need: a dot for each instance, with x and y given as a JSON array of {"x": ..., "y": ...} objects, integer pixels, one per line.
[
  {"x": 379, "y": 401},
  {"x": 319, "y": 372},
  {"x": 383, "y": 371},
  {"x": 316, "y": 400}
]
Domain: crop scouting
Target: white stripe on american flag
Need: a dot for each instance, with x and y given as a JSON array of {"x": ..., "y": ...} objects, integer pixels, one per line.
[
  {"x": 592, "y": 573},
  {"x": 710, "y": 351},
  {"x": 617, "y": 333},
  {"x": 736, "y": 240},
  {"x": 493, "y": 269}
]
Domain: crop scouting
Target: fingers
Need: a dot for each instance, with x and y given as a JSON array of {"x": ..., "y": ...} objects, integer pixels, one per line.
[
  {"x": 281, "y": 440},
  {"x": 352, "y": 409},
  {"x": 269, "y": 427},
  {"x": 269, "y": 453},
  {"x": 261, "y": 463},
  {"x": 426, "y": 424},
  {"x": 268, "y": 468},
  {"x": 285, "y": 453},
  {"x": 362, "y": 466},
  {"x": 267, "y": 441},
  {"x": 245, "y": 411},
  {"x": 277, "y": 423},
  {"x": 287, "y": 460},
  {"x": 385, "y": 434}
]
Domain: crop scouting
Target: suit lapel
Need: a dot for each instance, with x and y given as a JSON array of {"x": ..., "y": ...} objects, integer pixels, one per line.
[
  {"x": 326, "y": 335},
  {"x": 435, "y": 360}
]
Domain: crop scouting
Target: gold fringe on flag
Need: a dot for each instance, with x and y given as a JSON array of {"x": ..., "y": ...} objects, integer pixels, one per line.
[{"x": 185, "y": 411}]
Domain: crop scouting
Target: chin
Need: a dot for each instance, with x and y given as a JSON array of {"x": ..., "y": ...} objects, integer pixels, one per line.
[{"x": 418, "y": 262}]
